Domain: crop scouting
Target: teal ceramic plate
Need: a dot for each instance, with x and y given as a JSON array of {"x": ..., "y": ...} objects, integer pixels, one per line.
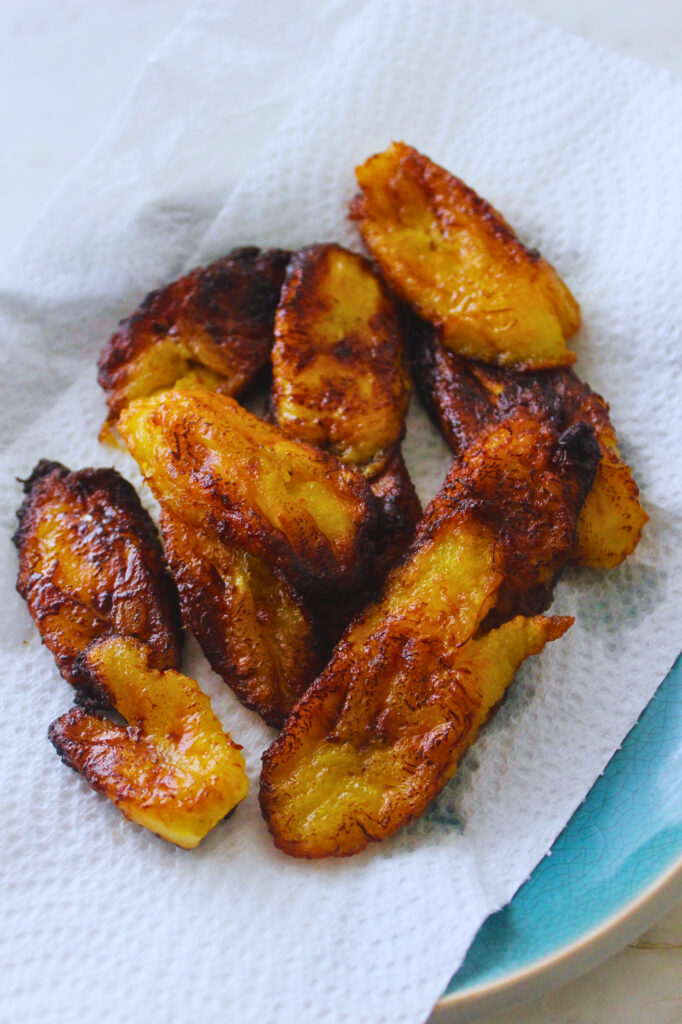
[{"x": 611, "y": 873}]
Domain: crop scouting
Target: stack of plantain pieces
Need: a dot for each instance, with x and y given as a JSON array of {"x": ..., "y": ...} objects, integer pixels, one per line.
[
  {"x": 304, "y": 522},
  {"x": 415, "y": 676},
  {"x": 213, "y": 329},
  {"x": 289, "y": 535},
  {"x": 92, "y": 572},
  {"x": 488, "y": 299},
  {"x": 463, "y": 397},
  {"x": 269, "y": 573}
]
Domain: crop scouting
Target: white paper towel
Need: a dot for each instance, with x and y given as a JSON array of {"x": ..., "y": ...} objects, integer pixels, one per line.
[{"x": 245, "y": 128}]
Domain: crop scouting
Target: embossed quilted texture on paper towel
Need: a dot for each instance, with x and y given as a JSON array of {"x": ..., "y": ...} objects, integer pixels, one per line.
[{"x": 581, "y": 151}]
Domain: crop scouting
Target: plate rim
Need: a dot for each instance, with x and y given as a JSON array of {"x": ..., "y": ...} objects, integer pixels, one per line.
[{"x": 574, "y": 958}]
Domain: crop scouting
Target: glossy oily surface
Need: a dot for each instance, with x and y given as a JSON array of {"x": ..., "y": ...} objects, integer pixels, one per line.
[
  {"x": 212, "y": 327},
  {"x": 463, "y": 396},
  {"x": 90, "y": 565},
  {"x": 255, "y": 631},
  {"x": 216, "y": 466},
  {"x": 339, "y": 374},
  {"x": 459, "y": 264},
  {"x": 173, "y": 769},
  {"x": 413, "y": 679}
]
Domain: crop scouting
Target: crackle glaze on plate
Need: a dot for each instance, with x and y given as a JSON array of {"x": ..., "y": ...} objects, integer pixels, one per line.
[{"x": 613, "y": 870}]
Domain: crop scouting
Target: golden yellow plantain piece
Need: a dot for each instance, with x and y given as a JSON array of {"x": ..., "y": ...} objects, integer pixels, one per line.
[
  {"x": 339, "y": 373},
  {"x": 172, "y": 769},
  {"x": 214, "y": 466},
  {"x": 90, "y": 565},
  {"x": 380, "y": 731},
  {"x": 464, "y": 398},
  {"x": 352, "y": 767},
  {"x": 254, "y": 629},
  {"x": 612, "y": 518},
  {"x": 340, "y": 381},
  {"x": 457, "y": 262},
  {"x": 214, "y": 326}
]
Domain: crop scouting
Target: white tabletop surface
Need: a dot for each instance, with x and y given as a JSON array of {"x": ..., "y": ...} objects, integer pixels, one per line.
[{"x": 64, "y": 67}]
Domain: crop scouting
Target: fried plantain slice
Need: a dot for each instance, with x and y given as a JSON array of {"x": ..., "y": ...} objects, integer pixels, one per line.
[
  {"x": 612, "y": 518},
  {"x": 355, "y": 764},
  {"x": 380, "y": 731},
  {"x": 315, "y": 782},
  {"x": 457, "y": 262},
  {"x": 463, "y": 398},
  {"x": 172, "y": 769},
  {"x": 255, "y": 630},
  {"x": 216, "y": 467},
  {"x": 214, "y": 326},
  {"x": 340, "y": 381},
  {"x": 339, "y": 370},
  {"x": 90, "y": 565}
]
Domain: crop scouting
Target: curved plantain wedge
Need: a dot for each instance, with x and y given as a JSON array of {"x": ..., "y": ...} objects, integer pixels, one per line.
[
  {"x": 465, "y": 398},
  {"x": 90, "y": 565},
  {"x": 339, "y": 375},
  {"x": 214, "y": 327},
  {"x": 457, "y": 262},
  {"x": 612, "y": 518},
  {"x": 340, "y": 381},
  {"x": 172, "y": 769},
  {"x": 216, "y": 467},
  {"x": 255, "y": 630}
]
